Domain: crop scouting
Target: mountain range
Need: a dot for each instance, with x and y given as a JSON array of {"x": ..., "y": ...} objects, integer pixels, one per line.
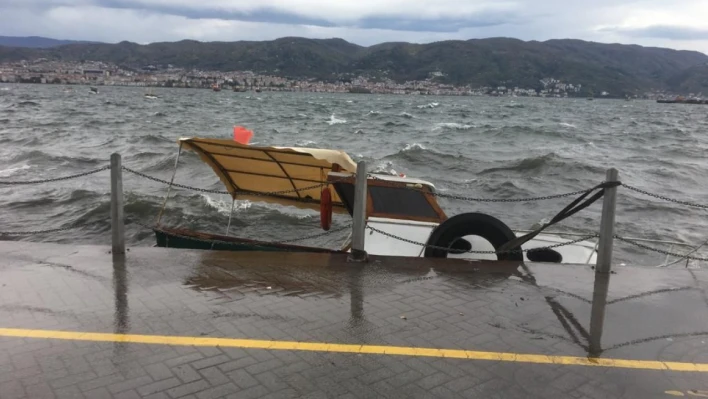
[
  {"x": 35, "y": 41},
  {"x": 617, "y": 68}
]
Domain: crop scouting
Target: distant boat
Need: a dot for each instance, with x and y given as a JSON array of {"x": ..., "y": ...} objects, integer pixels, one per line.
[
  {"x": 215, "y": 87},
  {"x": 150, "y": 95},
  {"x": 93, "y": 90}
]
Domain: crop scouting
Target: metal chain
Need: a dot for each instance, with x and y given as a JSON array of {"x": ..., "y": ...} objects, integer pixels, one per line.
[
  {"x": 480, "y": 252},
  {"x": 326, "y": 233},
  {"x": 661, "y": 251},
  {"x": 17, "y": 183},
  {"x": 545, "y": 197},
  {"x": 639, "y": 190},
  {"x": 475, "y": 199},
  {"x": 227, "y": 242},
  {"x": 204, "y": 190},
  {"x": 35, "y": 232}
]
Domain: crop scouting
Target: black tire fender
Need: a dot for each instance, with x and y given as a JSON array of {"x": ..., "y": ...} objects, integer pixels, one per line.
[{"x": 474, "y": 223}]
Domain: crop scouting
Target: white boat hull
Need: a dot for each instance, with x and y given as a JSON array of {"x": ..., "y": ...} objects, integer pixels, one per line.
[{"x": 583, "y": 252}]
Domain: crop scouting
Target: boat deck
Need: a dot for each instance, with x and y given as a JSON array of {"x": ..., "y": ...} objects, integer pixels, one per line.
[{"x": 168, "y": 323}]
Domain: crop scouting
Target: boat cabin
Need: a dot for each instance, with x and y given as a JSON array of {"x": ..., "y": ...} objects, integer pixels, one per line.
[{"x": 391, "y": 197}]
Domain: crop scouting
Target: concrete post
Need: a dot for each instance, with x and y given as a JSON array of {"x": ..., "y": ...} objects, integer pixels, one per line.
[
  {"x": 603, "y": 265},
  {"x": 117, "y": 218},
  {"x": 597, "y": 312},
  {"x": 359, "y": 223},
  {"x": 607, "y": 225}
]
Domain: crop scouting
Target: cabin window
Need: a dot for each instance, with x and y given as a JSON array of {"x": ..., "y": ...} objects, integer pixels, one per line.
[
  {"x": 392, "y": 202},
  {"x": 401, "y": 201}
]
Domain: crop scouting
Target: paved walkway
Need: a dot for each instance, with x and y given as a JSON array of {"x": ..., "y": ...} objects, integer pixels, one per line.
[{"x": 167, "y": 323}]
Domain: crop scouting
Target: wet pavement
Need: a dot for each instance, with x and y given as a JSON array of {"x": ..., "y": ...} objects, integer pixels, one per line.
[{"x": 167, "y": 323}]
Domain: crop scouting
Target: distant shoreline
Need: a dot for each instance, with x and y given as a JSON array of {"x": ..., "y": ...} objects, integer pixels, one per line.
[{"x": 301, "y": 90}]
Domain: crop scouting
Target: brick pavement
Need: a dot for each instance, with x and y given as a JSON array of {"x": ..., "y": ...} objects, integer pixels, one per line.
[{"x": 544, "y": 309}]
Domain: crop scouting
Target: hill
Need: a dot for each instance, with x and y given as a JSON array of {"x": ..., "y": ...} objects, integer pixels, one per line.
[
  {"x": 34, "y": 41},
  {"x": 616, "y": 68}
]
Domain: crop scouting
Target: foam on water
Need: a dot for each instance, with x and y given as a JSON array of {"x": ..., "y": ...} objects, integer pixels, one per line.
[{"x": 12, "y": 171}]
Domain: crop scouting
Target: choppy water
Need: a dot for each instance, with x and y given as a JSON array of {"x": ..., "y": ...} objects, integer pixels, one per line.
[{"x": 473, "y": 146}]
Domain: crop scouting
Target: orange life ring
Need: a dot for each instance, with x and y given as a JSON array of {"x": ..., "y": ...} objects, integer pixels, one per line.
[{"x": 326, "y": 209}]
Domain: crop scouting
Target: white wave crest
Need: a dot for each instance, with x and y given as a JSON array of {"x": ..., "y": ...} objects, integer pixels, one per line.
[
  {"x": 334, "y": 121},
  {"x": 570, "y": 125},
  {"x": 431, "y": 105},
  {"x": 305, "y": 143},
  {"x": 452, "y": 125},
  {"x": 413, "y": 146},
  {"x": 225, "y": 207},
  {"x": 385, "y": 168}
]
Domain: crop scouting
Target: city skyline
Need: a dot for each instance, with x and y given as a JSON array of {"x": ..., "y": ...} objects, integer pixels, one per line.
[{"x": 365, "y": 22}]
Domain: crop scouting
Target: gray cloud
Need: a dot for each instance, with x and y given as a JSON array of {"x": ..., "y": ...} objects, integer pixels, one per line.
[
  {"x": 273, "y": 15},
  {"x": 437, "y": 25},
  {"x": 265, "y": 14},
  {"x": 663, "y": 32},
  {"x": 366, "y": 22}
]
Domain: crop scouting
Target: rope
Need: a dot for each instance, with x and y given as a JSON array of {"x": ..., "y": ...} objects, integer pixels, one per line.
[
  {"x": 499, "y": 252},
  {"x": 19, "y": 183},
  {"x": 571, "y": 209}
]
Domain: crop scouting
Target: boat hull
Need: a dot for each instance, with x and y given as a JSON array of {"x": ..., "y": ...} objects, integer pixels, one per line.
[{"x": 187, "y": 239}]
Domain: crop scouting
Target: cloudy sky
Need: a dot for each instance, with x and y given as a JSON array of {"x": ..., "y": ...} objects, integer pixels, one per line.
[{"x": 680, "y": 24}]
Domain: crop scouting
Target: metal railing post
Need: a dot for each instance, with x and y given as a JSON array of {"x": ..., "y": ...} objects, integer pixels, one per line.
[
  {"x": 117, "y": 218},
  {"x": 607, "y": 225},
  {"x": 603, "y": 265},
  {"x": 359, "y": 223}
]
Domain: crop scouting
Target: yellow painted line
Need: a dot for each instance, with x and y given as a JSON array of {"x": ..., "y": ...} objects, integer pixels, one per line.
[{"x": 353, "y": 348}]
